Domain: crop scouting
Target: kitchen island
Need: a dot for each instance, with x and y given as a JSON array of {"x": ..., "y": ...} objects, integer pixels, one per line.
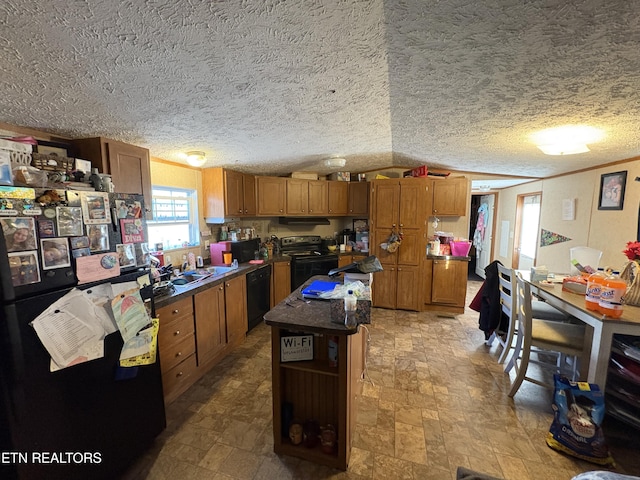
[{"x": 310, "y": 384}]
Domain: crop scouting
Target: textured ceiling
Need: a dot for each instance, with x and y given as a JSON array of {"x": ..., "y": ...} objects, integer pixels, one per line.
[{"x": 276, "y": 86}]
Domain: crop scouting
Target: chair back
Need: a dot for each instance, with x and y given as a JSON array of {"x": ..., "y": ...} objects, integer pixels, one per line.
[
  {"x": 524, "y": 317},
  {"x": 508, "y": 300}
]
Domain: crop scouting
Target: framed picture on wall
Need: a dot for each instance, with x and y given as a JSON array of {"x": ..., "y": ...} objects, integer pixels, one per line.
[{"x": 612, "y": 187}]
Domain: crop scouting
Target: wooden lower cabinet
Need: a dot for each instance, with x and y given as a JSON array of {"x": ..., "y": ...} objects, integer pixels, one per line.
[
  {"x": 445, "y": 285},
  {"x": 211, "y": 329},
  {"x": 199, "y": 330},
  {"x": 316, "y": 390},
  {"x": 280, "y": 282},
  {"x": 176, "y": 344},
  {"x": 235, "y": 294},
  {"x": 397, "y": 287}
]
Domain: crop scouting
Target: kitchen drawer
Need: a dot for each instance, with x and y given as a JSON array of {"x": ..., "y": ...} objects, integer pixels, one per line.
[
  {"x": 174, "y": 331},
  {"x": 180, "y": 377},
  {"x": 171, "y": 355},
  {"x": 176, "y": 309}
]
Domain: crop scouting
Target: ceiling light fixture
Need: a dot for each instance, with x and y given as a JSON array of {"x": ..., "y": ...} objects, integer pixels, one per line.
[
  {"x": 196, "y": 159},
  {"x": 566, "y": 140},
  {"x": 335, "y": 162}
]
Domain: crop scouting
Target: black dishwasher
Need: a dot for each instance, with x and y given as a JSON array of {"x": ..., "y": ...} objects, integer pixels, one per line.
[{"x": 258, "y": 294}]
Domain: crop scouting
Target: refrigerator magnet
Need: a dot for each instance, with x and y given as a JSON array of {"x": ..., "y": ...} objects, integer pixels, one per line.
[
  {"x": 97, "y": 267},
  {"x": 95, "y": 208},
  {"x": 55, "y": 253},
  {"x": 24, "y": 268}
]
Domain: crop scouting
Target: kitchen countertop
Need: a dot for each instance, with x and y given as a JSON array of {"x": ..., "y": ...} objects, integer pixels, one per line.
[
  {"x": 297, "y": 314},
  {"x": 243, "y": 269},
  {"x": 448, "y": 257}
]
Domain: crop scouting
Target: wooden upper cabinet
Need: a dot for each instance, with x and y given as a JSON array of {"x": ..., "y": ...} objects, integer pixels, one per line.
[
  {"x": 272, "y": 196},
  {"x": 228, "y": 194},
  {"x": 358, "y": 198},
  {"x": 338, "y": 197},
  {"x": 128, "y": 165},
  {"x": 412, "y": 211},
  {"x": 318, "y": 197},
  {"x": 385, "y": 201},
  {"x": 297, "y": 196},
  {"x": 450, "y": 196}
]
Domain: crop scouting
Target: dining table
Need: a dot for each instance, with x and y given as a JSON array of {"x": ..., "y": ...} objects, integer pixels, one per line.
[{"x": 604, "y": 327}]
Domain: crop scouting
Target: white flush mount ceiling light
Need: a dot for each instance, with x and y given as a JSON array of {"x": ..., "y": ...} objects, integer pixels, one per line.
[
  {"x": 566, "y": 140},
  {"x": 196, "y": 159},
  {"x": 335, "y": 162}
]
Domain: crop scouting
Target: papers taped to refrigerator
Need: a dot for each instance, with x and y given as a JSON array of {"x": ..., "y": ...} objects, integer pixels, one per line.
[{"x": 73, "y": 328}]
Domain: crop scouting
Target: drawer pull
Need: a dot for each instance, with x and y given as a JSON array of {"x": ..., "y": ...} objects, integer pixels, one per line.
[
  {"x": 175, "y": 311},
  {"x": 179, "y": 354},
  {"x": 177, "y": 332},
  {"x": 179, "y": 374}
]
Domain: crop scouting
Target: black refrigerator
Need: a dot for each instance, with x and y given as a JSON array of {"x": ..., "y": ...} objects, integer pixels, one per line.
[{"x": 90, "y": 420}]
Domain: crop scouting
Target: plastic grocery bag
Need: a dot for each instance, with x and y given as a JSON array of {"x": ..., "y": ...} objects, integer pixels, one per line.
[{"x": 577, "y": 424}]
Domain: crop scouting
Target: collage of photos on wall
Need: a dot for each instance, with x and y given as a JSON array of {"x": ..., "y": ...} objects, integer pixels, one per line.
[{"x": 60, "y": 233}]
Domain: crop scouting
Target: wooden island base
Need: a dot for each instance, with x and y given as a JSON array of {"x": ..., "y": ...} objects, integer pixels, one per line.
[{"x": 319, "y": 389}]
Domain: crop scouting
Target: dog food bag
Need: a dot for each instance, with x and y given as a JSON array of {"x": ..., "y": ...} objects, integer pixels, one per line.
[{"x": 577, "y": 424}]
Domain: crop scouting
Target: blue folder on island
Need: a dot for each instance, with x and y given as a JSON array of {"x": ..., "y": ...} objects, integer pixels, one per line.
[{"x": 315, "y": 288}]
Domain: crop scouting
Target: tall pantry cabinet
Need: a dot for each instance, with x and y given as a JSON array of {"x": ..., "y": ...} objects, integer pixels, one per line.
[{"x": 399, "y": 206}]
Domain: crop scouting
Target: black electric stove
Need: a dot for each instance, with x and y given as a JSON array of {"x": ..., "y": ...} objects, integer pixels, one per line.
[{"x": 307, "y": 258}]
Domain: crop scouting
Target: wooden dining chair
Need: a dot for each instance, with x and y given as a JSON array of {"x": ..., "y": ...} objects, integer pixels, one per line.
[
  {"x": 560, "y": 339},
  {"x": 508, "y": 304}
]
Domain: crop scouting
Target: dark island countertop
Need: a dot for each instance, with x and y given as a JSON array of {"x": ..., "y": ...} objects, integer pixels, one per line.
[{"x": 298, "y": 314}]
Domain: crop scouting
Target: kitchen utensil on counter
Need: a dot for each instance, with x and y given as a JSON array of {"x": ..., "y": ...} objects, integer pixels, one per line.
[{"x": 370, "y": 264}]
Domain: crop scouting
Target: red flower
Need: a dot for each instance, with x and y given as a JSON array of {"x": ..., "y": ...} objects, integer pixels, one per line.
[{"x": 632, "y": 251}]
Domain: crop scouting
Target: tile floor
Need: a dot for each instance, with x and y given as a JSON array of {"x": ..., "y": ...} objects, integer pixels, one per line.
[{"x": 435, "y": 399}]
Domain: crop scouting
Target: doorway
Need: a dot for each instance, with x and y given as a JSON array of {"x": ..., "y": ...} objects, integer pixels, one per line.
[
  {"x": 525, "y": 242},
  {"x": 482, "y": 225}
]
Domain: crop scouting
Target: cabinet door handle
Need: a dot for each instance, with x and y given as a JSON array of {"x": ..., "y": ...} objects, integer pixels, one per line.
[
  {"x": 179, "y": 374},
  {"x": 221, "y": 287},
  {"x": 179, "y": 354},
  {"x": 239, "y": 210},
  {"x": 175, "y": 311},
  {"x": 176, "y": 333}
]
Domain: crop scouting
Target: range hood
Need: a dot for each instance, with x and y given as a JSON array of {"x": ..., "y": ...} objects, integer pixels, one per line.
[{"x": 304, "y": 221}]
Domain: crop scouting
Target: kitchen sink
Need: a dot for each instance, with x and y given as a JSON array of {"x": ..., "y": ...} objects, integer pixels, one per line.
[{"x": 186, "y": 279}]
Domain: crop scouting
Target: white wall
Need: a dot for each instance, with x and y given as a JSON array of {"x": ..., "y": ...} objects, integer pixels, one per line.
[{"x": 606, "y": 230}]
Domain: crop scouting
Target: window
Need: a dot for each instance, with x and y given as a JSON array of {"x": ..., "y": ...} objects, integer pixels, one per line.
[{"x": 175, "y": 214}]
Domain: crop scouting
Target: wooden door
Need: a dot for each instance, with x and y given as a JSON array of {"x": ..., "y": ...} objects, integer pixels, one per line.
[
  {"x": 297, "y": 196},
  {"x": 359, "y": 198},
  {"x": 338, "y": 193},
  {"x": 272, "y": 196},
  {"x": 235, "y": 295},
  {"x": 130, "y": 170},
  {"x": 249, "y": 192},
  {"x": 234, "y": 193},
  {"x": 318, "y": 197},
  {"x": 408, "y": 288},
  {"x": 211, "y": 334},
  {"x": 281, "y": 279},
  {"x": 384, "y": 288},
  {"x": 449, "y": 282}
]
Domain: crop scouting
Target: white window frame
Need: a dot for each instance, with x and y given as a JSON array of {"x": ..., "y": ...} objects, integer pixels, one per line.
[{"x": 191, "y": 197}]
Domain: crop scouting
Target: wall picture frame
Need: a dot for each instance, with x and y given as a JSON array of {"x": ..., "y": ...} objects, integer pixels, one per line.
[{"x": 612, "y": 187}]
